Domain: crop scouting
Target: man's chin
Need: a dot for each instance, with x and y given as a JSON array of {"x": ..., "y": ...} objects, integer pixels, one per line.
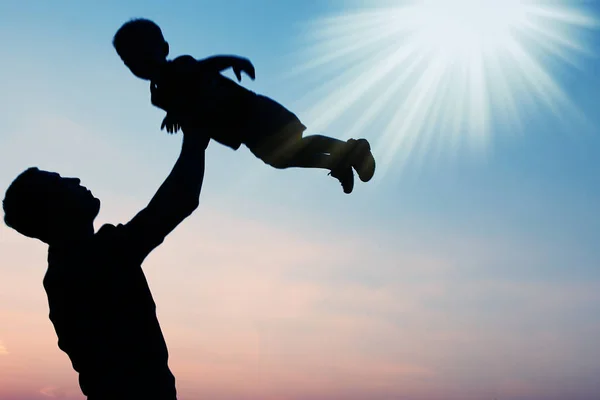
[{"x": 96, "y": 207}]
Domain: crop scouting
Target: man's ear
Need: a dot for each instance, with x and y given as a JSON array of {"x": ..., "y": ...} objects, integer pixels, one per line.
[{"x": 166, "y": 49}]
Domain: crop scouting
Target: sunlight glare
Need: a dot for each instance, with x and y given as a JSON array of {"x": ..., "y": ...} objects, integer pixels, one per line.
[
  {"x": 439, "y": 72},
  {"x": 466, "y": 26}
]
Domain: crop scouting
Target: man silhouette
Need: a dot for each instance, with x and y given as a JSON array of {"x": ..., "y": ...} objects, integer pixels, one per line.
[{"x": 100, "y": 303}]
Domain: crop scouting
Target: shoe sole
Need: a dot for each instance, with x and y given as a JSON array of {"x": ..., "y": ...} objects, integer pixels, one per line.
[
  {"x": 345, "y": 161},
  {"x": 346, "y": 190}
]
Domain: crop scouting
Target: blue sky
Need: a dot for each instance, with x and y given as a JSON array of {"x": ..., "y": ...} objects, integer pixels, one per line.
[{"x": 496, "y": 249}]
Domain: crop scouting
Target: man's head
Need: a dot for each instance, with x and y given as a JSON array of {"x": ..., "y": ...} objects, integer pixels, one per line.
[
  {"x": 46, "y": 206},
  {"x": 141, "y": 46}
]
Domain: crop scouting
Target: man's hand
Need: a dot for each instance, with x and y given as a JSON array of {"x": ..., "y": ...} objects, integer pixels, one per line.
[
  {"x": 240, "y": 65},
  {"x": 195, "y": 138},
  {"x": 192, "y": 133},
  {"x": 170, "y": 123}
]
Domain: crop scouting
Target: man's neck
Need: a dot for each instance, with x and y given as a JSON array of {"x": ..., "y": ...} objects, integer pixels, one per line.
[{"x": 72, "y": 236}]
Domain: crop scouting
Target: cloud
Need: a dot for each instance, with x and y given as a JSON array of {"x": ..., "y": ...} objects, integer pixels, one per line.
[
  {"x": 57, "y": 392},
  {"x": 292, "y": 308},
  {"x": 3, "y": 350},
  {"x": 50, "y": 391}
]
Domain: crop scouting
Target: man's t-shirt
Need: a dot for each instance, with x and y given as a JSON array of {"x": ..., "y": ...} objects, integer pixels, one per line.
[{"x": 105, "y": 317}]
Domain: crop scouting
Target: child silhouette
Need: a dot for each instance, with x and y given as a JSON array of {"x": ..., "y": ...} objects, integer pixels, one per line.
[{"x": 196, "y": 96}]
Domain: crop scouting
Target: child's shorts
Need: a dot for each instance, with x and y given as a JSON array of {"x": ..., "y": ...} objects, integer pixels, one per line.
[{"x": 273, "y": 129}]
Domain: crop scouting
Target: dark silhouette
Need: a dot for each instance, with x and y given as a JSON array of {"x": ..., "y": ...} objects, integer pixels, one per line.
[
  {"x": 100, "y": 303},
  {"x": 193, "y": 92}
]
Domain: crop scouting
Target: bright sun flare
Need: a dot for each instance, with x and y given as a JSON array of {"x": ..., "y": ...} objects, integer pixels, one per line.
[{"x": 440, "y": 71}]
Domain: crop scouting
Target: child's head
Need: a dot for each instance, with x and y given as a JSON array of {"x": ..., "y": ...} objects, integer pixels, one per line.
[{"x": 141, "y": 46}]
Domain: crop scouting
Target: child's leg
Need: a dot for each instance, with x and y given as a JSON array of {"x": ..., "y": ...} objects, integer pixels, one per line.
[
  {"x": 314, "y": 151},
  {"x": 310, "y": 152},
  {"x": 319, "y": 151},
  {"x": 309, "y": 160},
  {"x": 322, "y": 144}
]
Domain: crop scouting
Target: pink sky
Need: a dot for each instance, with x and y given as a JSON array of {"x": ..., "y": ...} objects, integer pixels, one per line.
[{"x": 252, "y": 311}]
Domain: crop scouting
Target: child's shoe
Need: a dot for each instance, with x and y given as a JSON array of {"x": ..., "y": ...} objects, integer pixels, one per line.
[
  {"x": 346, "y": 177},
  {"x": 362, "y": 159}
]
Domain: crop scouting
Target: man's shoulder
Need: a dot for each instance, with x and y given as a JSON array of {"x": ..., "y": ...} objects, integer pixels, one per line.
[
  {"x": 118, "y": 237},
  {"x": 109, "y": 232},
  {"x": 107, "y": 229}
]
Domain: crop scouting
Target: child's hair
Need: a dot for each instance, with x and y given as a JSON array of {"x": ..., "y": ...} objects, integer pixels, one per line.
[{"x": 134, "y": 31}]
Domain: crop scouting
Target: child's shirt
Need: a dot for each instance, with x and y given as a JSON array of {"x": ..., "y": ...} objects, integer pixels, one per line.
[{"x": 204, "y": 100}]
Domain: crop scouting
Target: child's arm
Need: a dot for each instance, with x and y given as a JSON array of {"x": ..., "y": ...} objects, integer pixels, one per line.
[
  {"x": 157, "y": 99},
  {"x": 220, "y": 63},
  {"x": 170, "y": 123}
]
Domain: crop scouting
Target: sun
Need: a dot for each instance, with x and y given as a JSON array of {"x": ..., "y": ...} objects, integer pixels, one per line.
[
  {"x": 464, "y": 27},
  {"x": 438, "y": 71}
]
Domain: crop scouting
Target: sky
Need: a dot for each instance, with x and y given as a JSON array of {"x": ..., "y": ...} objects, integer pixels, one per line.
[{"x": 467, "y": 269}]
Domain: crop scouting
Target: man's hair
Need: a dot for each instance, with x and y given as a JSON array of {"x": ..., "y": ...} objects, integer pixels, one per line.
[
  {"x": 134, "y": 31},
  {"x": 25, "y": 204}
]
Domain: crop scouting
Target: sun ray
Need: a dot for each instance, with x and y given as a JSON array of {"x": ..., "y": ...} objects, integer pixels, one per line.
[
  {"x": 384, "y": 97},
  {"x": 410, "y": 118},
  {"x": 353, "y": 92},
  {"x": 504, "y": 96},
  {"x": 426, "y": 140},
  {"x": 440, "y": 73},
  {"x": 566, "y": 13}
]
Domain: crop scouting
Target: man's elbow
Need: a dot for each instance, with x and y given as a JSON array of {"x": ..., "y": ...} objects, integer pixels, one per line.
[{"x": 189, "y": 206}]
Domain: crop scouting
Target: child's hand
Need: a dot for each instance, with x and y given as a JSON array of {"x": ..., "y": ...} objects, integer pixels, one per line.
[
  {"x": 243, "y": 65},
  {"x": 170, "y": 123}
]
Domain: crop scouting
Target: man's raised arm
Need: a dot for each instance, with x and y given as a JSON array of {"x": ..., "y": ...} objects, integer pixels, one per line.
[{"x": 175, "y": 200}]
